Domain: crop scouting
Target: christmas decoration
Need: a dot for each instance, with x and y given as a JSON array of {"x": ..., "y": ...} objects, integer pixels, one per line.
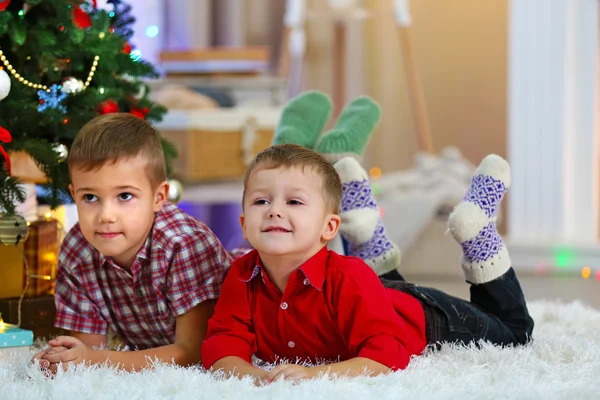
[
  {"x": 52, "y": 100},
  {"x": 4, "y": 84},
  {"x": 175, "y": 191},
  {"x": 6, "y": 138},
  {"x": 49, "y": 52},
  {"x": 81, "y": 18},
  {"x": 62, "y": 151},
  {"x": 72, "y": 85},
  {"x": 13, "y": 230},
  {"x": 108, "y": 107},
  {"x": 4, "y": 4},
  {"x": 139, "y": 112},
  {"x": 127, "y": 48},
  {"x": 18, "y": 76},
  {"x": 141, "y": 92}
]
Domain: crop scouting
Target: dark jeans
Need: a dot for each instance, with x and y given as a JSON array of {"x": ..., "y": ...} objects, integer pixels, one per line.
[{"x": 497, "y": 312}]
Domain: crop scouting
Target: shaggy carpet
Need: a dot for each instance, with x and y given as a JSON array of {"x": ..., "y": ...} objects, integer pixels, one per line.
[{"x": 562, "y": 363}]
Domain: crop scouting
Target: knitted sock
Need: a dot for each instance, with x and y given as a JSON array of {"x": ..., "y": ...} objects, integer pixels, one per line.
[
  {"x": 473, "y": 222},
  {"x": 352, "y": 131},
  {"x": 361, "y": 224},
  {"x": 303, "y": 119}
]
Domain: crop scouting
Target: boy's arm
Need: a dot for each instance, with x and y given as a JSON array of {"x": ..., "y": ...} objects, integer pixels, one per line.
[
  {"x": 230, "y": 340},
  {"x": 190, "y": 331},
  {"x": 239, "y": 367},
  {"x": 91, "y": 340}
]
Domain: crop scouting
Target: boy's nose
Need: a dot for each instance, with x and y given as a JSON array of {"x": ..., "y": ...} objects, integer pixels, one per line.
[{"x": 106, "y": 215}]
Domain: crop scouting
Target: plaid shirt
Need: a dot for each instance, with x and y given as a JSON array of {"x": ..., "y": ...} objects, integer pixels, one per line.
[{"x": 181, "y": 264}]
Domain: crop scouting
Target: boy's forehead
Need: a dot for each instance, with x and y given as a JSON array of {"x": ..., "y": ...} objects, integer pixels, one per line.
[
  {"x": 126, "y": 172},
  {"x": 265, "y": 172}
]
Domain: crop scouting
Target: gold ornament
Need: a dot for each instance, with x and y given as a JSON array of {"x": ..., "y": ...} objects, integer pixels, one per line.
[
  {"x": 13, "y": 230},
  {"x": 72, "y": 85},
  {"x": 175, "y": 191},
  {"x": 61, "y": 150}
]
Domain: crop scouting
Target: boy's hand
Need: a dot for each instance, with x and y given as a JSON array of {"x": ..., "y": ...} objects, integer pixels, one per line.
[
  {"x": 290, "y": 372},
  {"x": 65, "y": 349},
  {"x": 50, "y": 350}
]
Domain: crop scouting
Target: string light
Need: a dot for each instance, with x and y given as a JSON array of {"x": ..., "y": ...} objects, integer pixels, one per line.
[
  {"x": 375, "y": 172},
  {"x": 152, "y": 31},
  {"x": 30, "y": 84},
  {"x": 586, "y": 272}
]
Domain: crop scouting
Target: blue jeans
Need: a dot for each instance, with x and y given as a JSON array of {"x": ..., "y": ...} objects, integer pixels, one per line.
[{"x": 497, "y": 312}]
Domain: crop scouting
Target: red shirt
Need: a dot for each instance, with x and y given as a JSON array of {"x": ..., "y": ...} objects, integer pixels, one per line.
[
  {"x": 333, "y": 308},
  {"x": 181, "y": 265}
]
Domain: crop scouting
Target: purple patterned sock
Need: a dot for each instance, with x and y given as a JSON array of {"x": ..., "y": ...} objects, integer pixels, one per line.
[{"x": 362, "y": 226}]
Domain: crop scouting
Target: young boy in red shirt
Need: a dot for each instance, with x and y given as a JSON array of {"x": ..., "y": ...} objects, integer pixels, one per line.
[
  {"x": 133, "y": 263},
  {"x": 294, "y": 301}
]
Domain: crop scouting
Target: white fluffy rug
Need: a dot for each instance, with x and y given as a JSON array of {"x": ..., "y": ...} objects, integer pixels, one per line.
[{"x": 562, "y": 363}]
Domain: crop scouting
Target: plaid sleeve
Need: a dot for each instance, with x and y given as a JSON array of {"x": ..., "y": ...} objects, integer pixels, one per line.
[
  {"x": 197, "y": 271},
  {"x": 74, "y": 309}
]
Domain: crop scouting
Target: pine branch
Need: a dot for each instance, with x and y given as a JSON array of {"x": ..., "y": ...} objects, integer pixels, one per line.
[{"x": 11, "y": 193}]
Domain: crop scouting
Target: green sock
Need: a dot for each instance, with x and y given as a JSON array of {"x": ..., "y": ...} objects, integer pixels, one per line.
[
  {"x": 352, "y": 131},
  {"x": 303, "y": 119}
]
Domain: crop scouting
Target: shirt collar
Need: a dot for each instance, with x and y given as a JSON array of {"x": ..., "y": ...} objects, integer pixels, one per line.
[{"x": 313, "y": 269}]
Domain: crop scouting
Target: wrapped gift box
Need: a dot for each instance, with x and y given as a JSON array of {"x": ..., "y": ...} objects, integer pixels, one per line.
[
  {"x": 11, "y": 271},
  {"x": 41, "y": 253},
  {"x": 14, "y": 341},
  {"x": 218, "y": 144},
  {"x": 37, "y": 314}
]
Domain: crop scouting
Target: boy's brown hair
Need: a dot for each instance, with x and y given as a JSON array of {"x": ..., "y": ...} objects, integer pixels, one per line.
[
  {"x": 118, "y": 136},
  {"x": 293, "y": 155}
]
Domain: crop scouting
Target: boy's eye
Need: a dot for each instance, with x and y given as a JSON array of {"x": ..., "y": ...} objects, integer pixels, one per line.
[
  {"x": 125, "y": 196},
  {"x": 261, "y": 201},
  {"x": 295, "y": 202},
  {"x": 90, "y": 198}
]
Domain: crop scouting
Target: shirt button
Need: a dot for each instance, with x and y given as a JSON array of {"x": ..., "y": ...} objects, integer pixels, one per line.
[
  {"x": 139, "y": 293},
  {"x": 306, "y": 281},
  {"x": 284, "y": 306},
  {"x": 291, "y": 344}
]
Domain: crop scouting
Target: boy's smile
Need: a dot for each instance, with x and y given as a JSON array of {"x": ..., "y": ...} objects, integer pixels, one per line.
[{"x": 116, "y": 206}]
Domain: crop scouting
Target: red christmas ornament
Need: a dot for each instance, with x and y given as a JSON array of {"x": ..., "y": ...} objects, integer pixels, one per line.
[
  {"x": 4, "y": 4},
  {"x": 81, "y": 18},
  {"x": 108, "y": 107},
  {"x": 127, "y": 48},
  {"x": 5, "y": 137},
  {"x": 139, "y": 112}
]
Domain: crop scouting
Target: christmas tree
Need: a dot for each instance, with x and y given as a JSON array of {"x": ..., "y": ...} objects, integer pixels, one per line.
[{"x": 63, "y": 62}]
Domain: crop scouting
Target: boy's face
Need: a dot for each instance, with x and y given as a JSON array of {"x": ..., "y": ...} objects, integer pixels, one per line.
[
  {"x": 116, "y": 206},
  {"x": 285, "y": 213}
]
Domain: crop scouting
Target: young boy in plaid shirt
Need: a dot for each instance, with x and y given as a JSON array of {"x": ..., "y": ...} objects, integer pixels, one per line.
[{"x": 134, "y": 263}]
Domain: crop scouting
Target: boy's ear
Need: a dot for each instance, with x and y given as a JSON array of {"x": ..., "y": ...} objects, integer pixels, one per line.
[
  {"x": 72, "y": 190},
  {"x": 332, "y": 227},
  {"x": 243, "y": 224},
  {"x": 160, "y": 196}
]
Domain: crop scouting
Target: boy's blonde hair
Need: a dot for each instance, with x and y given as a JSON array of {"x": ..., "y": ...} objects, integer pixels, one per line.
[
  {"x": 118, "y": 136},
  {"x": 293, "y": 155}
]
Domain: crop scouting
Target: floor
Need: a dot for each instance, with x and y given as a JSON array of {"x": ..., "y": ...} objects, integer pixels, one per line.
[{"x": 564, "y": 287}]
